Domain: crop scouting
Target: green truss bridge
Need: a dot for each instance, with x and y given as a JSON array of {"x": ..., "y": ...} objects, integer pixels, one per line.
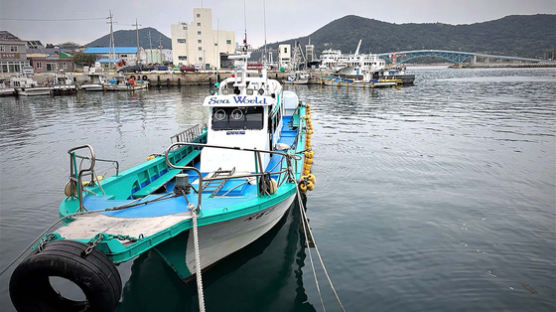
[{"x": 456, "y": 57}]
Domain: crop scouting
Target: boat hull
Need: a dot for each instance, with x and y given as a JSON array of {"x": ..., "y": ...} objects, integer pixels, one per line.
[
  {"x": 219, "y": 240},
  {"x": 7, "y": 92},
  {"x": 92, "y": 87},
  {"x": 34, "y": 91}
]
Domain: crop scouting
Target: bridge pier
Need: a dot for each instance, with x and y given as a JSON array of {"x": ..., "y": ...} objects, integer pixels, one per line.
[{"x": 474, "y": 60}]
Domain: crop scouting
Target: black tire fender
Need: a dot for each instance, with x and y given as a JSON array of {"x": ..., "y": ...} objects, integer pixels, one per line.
[{"x": 95, "y": 274}]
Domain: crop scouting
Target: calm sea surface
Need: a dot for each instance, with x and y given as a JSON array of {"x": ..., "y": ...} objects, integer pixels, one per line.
[{"x": 437, "y": 197}]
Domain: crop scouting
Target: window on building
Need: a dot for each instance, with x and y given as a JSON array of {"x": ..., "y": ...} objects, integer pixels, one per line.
[
  {"x": 198, "y": 15},
  {"x": 64, "y": 65},
  {"x": 200, "y": 48},
  {"x": 200, "y": 58},
  {"x": 49, "y": 67},
  {"x": 13, "y": 49},
  {"x": 216, "y": 44},
  {"x": 2, "y": 48},
  {"x": 123, "y": 55},
  {"x": 17, "y": 69},
  {"x": 228, "y": 41},
  {"x": 199, "y": 32},
  {"x": 199, "y": 41},
  {"x": 285, "y": 50},
  {"x": 182, "y": 58},
  {"x": 39, "y": 65},
  {"x": 4, "y": 68},
  {"x": 199, "y": 24},
  {"x": 181, "y": 40}
]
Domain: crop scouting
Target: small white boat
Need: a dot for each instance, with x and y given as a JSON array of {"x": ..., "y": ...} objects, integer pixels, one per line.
[
  {"x": 28, "y": 87},
  {"x": 95, "y": 83},
  {"x": 298, "y": 77},
  {"x": 6, "y": 89},
  {"x": 63, "y": 85}
]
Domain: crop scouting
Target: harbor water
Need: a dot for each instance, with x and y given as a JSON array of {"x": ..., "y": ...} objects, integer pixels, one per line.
[{"x": 436, "y": 197}]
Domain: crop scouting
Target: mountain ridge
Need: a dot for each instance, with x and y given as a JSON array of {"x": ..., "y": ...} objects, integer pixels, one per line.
[
  {"x": 128, "y": 38},
  {"x": 512, "y": 35}
]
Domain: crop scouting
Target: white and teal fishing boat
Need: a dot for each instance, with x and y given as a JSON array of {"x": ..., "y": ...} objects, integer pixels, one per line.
[{"x": 212, "y": 192}]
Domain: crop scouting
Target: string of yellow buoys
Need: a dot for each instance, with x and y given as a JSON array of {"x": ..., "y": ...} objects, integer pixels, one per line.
[{"x": 308, "y": 179}]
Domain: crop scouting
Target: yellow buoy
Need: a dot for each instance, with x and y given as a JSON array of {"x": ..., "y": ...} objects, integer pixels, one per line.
[
  {"x": 303, "y": 187},
  {"x": 310, "y": 186},
  {"x": 309, "y": 161},
  {"x": 150, "y": 157},
  {"x": 312, "y": 178}
]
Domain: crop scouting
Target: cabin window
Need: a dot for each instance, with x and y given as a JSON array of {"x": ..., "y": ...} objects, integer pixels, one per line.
[
  {"x": 181, "y": 40},
  {"x": 234, "y": 118}
]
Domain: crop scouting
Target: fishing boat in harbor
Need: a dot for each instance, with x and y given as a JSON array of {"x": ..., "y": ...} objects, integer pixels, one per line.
[
  {"x": 26, "y": 86},
  {"x": 95, "y": 82},
  {"x": 63, "y": 85},
  {"x": 6, "y": 89},
  {"x": 212, "y": 192},
  {"x": 121, "y": 83},
  {"x": 299, "y": 77}
]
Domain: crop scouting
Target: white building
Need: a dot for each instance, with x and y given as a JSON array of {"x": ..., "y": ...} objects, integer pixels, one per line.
[
  {"x": 198, "y": 43},
  {"x": 284, "y": 55},
  {"x": 154, "y": 56}
]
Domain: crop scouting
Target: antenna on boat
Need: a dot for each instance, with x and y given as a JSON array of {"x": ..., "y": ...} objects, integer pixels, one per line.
[
  {"x": 245, "y": 27},
  {"x": 264, "y": 21}
]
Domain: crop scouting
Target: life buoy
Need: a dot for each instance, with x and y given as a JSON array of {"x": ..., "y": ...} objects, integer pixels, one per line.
[
  {"x": 95, "y": 274},
  {"x": 132, "y": 77},
  {"x": 145, "y": 78}
]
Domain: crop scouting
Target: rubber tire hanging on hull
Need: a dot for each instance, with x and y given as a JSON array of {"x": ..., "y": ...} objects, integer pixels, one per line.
[{"x": 95, "y": 274}]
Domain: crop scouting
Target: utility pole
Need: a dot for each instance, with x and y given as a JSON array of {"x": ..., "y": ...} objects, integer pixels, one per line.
[
  {"x": 160, "y": 50},
  {"x": 111, "y": 49},
  {"x": 151, "y": 46},
  {"x": 137, "y": 34}
]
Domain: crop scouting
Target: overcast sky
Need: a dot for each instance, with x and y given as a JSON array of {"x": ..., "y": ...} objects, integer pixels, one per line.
[{"x": 286, "y": 19}]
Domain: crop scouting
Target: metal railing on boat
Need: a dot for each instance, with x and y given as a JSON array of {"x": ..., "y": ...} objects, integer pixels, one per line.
[{"x": 262, "y": 176}]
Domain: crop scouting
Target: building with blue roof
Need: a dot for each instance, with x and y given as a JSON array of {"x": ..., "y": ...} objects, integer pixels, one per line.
[{"x": 126, "y": 54}]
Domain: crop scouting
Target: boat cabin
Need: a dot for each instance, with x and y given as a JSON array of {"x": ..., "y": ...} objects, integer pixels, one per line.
[{"x": 246, "y": 111}]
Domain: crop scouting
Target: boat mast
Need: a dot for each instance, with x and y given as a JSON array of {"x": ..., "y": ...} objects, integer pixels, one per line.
[{"x": 137, "y": 35}]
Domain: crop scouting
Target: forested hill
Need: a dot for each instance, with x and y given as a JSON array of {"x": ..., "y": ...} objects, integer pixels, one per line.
[
  {"x": 128, "y": 38},
  {"x": 518, "y": 35}
]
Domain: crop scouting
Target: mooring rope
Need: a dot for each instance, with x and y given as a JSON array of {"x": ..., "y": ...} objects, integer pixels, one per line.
[
  {"x": 301, "y": 207},
  {"x": 307, "y": 229},
  {"x": 197, "y": 252}
]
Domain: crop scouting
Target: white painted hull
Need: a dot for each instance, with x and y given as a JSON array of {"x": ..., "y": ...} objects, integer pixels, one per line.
[
  {"x": 92, "y": 87},
  {"x": 219, "y": 240},
  {"x": 7, "y": 92},
  {"x": 34, "y": 91},
  {"x": 111, "y": 87}
]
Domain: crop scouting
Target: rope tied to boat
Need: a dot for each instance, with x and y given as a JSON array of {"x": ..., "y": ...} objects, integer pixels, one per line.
[
  {"x": 197, "y": 252},
  {"x": 307, "y": 230}
]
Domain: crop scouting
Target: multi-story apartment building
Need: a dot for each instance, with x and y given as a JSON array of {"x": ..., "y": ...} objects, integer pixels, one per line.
[{"x": 197, "y": 43}]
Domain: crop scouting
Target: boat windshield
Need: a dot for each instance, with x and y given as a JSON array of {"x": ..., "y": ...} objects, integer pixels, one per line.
[{"x": 237, "y": 118}]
